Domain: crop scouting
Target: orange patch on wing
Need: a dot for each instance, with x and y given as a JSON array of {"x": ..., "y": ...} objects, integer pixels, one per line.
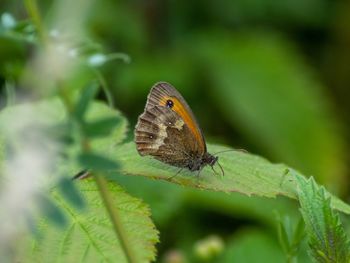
[{"x": 186, "y": 117}]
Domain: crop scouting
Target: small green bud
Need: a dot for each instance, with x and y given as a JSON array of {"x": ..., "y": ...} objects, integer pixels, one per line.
[{"x": 209, "y": 247}]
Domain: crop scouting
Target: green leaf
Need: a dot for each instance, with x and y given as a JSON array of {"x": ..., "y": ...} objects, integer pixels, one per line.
[
  {"x": 51, "y": 119},
  {"x": 266, "y": 90},
  {"x": 164, "y": 203},
  {"x": 89, "y": 234},
  {"x": 97, "y": 162},
  {"x": 87, "y": 96},
  {"x": 100, "y": 128},
  {"x": 51, "y": 116},
  {"x": 298, "y": 235},
  {"x": 169, "y": 200},
  {"x": 244, "y": 173},
  {"x": 290, "y": 236},
  {"x": 69, "y": 191},
  {"x": 283, "y": 236},
  {"x": 50, "y": 210},
  {"x": 108, "y": 143},
  {"x": 327, "y": 237}
]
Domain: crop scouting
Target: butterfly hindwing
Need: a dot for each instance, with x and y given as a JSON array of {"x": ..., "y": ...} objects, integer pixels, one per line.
[{"x": 161, "y": 133}]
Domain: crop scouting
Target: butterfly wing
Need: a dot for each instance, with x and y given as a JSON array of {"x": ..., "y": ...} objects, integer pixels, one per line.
[
  {"x": 160, "y": 94},
  {"x": 162, "y": 133}
]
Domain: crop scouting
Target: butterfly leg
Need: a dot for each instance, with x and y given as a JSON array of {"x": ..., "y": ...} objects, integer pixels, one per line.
[
  {"x": 198, "y": 177},
  {"x": 179, "y": 171},
  {"x": 222, "y": 170},
  {"x": 216, "y": 173},
  {"x": 284, "y": 177}
]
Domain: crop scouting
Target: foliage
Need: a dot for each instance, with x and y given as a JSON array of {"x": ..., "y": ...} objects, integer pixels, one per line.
[
  {"x": 290, "y": 239},
  {"x": 88, "y": 236},
  {"x": 244, "y": 173},
  {"x": 89, "y": 229},
  {"x": 327, "y": 237},
  {"x": 270, "y": 77}
]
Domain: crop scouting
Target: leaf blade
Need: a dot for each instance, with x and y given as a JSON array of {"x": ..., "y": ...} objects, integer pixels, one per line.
[
  {"x": 327, "y": 237},
  {"x": 89, "y": 235},
  {"x": 87, "y": 96},
  {"x": 264, "y": 88},
  {"x": 97, "y": 162},
  {"x": 100, "y": 128},
  {"x": 244, "y": 173}
]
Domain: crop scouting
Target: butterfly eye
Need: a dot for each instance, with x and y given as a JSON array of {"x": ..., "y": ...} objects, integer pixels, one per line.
[{"x": 169, "y": 103}]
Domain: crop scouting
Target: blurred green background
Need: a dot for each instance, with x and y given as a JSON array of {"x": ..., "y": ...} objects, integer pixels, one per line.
[{"x": 271, "y": 77}]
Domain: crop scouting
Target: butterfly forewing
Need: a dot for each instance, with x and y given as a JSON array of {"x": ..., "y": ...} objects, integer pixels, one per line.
[
  {"x": 162, "y": 93},
  {"x": 168, "y": 131}
]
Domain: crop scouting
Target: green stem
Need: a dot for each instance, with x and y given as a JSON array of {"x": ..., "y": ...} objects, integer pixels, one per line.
[
  {"x": 65, "y": 97},
  {"x": 10, "y": 94},
  {"x": 33, "y": 11},
  {"x": 104, "y": 193},
  {"x": 115, "y": 217},
  {"x": 105, "y": 88}
]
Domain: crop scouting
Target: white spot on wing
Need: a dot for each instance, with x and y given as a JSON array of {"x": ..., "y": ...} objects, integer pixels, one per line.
[
  {"x": 179, "y": 124},
  {"x": 162, "y": 134}
]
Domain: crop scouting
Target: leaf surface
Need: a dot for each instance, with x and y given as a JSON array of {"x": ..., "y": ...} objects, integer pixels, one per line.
[
  {"x": 244, "y": 173},
  {"x": 327, "y": 237},
  {"x": 89, "y": 235}
]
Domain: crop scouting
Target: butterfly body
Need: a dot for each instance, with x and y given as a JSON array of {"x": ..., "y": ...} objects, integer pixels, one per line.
[{"x": 168, "y": 131}]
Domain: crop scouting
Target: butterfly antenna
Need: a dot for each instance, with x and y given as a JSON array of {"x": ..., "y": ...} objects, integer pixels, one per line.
[
  {"x": 232, "y": 150},
  {"x": 171, "y": 177}
]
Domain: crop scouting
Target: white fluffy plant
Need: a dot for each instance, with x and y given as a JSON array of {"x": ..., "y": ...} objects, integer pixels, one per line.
[{"x": 27, "y": 161}]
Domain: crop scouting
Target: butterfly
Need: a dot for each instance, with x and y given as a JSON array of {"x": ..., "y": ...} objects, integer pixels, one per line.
[{"x": 168, "y": 131}]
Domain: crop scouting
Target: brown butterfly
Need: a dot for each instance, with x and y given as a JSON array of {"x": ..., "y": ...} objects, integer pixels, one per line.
[{"x": 168, "y": 131}]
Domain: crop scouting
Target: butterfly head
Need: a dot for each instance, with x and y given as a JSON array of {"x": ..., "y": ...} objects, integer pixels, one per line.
[
  {"x": 206, "y": 159},
  {"x": 210, "y": 159}
]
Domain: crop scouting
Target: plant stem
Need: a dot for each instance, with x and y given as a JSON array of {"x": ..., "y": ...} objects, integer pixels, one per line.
[
  {"x": 115, "y": 217},
  {"x": 10, "y": 94},
  {"x": 105, "y": 88},
  {"x": 33, "y": 11}
]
